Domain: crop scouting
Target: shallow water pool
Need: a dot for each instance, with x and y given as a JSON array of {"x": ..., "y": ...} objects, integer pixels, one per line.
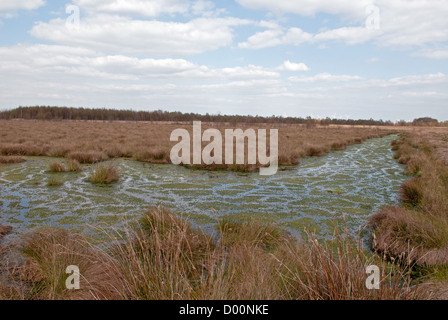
[{"x": 355, "y": 182}]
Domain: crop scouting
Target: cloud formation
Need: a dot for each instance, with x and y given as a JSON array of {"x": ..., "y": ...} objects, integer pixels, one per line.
[{"x": 14, "y": 5}]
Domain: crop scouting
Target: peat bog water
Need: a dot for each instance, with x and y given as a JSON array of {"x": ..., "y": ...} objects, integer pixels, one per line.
[{"x": 355, "y": 182}]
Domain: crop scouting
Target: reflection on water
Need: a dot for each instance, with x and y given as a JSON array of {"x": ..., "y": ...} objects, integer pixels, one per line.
[{"x": 356, "y": 182}]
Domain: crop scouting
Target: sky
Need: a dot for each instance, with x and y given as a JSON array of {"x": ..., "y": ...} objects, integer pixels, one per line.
[{"x": 358, "y": 59}]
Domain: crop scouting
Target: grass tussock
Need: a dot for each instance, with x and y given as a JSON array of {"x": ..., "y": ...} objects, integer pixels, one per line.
[
  {"x": 411, "y": 236},
  {"x": 87, "y": 156},
  {"x": 57, "y": 166},
  {"x": 47, "y": 253},
  {"x": 336, "y": 270},
  {"x": 54, "y": 182},
  {"x": 11, "y": 159},
  {"x": 253, "y": 232},
  {"x": 104, "y": 174},
  {"x": 153, "y": 156},
  {"x": 73, "y": 165},
  {"x": 4, "y": 230},
  {"x": 163, "y": 257}
]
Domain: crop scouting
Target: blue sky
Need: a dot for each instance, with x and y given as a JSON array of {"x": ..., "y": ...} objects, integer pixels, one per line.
[{"x": 381, "y": 59}]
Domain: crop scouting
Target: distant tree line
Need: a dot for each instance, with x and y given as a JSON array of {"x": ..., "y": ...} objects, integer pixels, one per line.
[{"x": 65, "y": 113}]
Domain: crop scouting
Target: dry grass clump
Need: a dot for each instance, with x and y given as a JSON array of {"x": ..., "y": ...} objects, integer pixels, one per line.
[
  {"x": 73, "y": 165},
  {"x": 11, "y": 159},
  {"x": 336, "y": 270},
  {"x": 153, "y": 156},
  {"x": 54, "y": 182},
  {"x": 253, "y": 232},
  {"x": 4, "y": 230},
  {"x": 411, "y": 236},
  {"x": 313, "y": 151},
  {"x": 338, "y": 146},
  {"x": 26, "y": 149},
  {"x": 104, "y": 174},
  {"x": 412, "y": 191},
  {"x": 48, "y": 252},
  {"x": 163, "y": 257},
  {"x": 56, "y": 166},
  {"x": 87, "y": 156}
]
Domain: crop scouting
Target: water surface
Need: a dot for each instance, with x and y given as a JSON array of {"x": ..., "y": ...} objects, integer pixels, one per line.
[{"x": 355, "y": 182}]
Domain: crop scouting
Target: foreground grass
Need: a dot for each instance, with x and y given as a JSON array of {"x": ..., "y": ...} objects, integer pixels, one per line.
[{"x": 164, "y": 257}]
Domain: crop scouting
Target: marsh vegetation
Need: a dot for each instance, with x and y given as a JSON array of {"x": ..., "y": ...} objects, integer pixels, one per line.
[{"x": 272, "y": 242}]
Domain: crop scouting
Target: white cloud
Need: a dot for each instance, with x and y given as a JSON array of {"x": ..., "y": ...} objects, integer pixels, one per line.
[
  {"x": 291, "y": 66},
  {"x": 402, "y": 23},
  {"x": 434, "y": 53},
  {"x": 413, "y": 23},
  {"x": 276, "y": 36},
  {"x": 348, "y": 35},
  {"x": 63, "y": 75},
  {"x": 14, "y": 5},
  {"x": 63, "y": 61},
  {"x": 122, "y": 35},
  {"x": 296, "y": 36},
  {"x": 311, "y": 7},
  {"x": 325, "y": 77},
  {"x": 148, "y": 8}
]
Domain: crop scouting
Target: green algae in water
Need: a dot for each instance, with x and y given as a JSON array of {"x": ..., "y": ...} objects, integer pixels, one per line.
[{"x": 355, "y": 182}]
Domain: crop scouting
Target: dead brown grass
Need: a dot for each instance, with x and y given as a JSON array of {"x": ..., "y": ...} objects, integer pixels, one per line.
[
  {"x": 11, "y": 159},
  {"x": 163, "y": 257},
  {"x": 417, "y": 232},
  {"x": 56, "y": 166},
  {"x": 4, "y": 230},
  {"x": 92, "y": 142}
]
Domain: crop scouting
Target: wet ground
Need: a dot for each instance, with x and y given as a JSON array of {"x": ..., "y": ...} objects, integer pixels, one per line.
[{"x": 355, "y": 182}]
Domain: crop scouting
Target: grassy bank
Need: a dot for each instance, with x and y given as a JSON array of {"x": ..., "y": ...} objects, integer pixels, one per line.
[
  {"x": 164, "y": 257},
  {"x": 416, "y": 232}
]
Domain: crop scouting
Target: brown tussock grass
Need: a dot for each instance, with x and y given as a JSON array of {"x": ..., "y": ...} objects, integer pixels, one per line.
[
  {"x": 96, "y": 141},
  {"x": 57, "y": 166},
  {"x": 162, "y": 257},
  {"x": 417, "y": 232},
  {"x": 4, "y": 230},
  {"x": 87, "y": 156},
  {"x": 48, "y": 252},
  {"x": 104, "y": 174},
  {"x": 73, "y": 165},
  {"x": 11, "y": 159},
  {"x": 411, "y": 236}
]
